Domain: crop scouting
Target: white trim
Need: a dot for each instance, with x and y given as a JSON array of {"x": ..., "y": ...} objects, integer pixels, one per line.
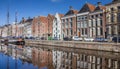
[
  {"x": 93, "y": 13},
  {"x": 68, "y": 16},
  {"x": 84, "y": 13}
]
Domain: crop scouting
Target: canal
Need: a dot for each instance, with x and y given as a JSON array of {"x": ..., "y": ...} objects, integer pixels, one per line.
[{"x": 51, "y": 57}]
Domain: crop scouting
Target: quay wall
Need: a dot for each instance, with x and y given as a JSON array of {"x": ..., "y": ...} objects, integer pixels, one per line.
[{"x": 103, "y": 46}]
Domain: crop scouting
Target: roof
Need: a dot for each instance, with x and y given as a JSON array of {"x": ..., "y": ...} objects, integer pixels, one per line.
[
  {"x": 61, "y": 15},
  {"x": 29, "y": 20},
  {"x": 87, "y": 8},
  {"x": 100, "y": 7},
  {"x": 71, "y": 12},
  {"x": 43, "y": 19},
  {"x": 113, "y": 2},
  {"x": 50, "y": 16}
]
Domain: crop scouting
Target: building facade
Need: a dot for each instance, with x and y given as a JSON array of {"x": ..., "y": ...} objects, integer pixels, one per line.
[
  {"x": 113, "y": 18},
  {"x": 40, "y": 26},
  {"x": 82, "y": 20},
  {"x": 97, "y": 23},
  {"x": 57, "y": 28},
  {"x": 69, "y": 23},
  {"x": 50, "y": 24}
]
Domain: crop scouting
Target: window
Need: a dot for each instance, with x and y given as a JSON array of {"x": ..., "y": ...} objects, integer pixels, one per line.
[
  {"x": 70, "y": 24},
  {"x": 82, "y": 31},
  {"x": 118, "y": 7},
  {"x": 67, "y": 31},
  {"x": 101, "y": 31},
  {"x": 89, "y": 23},
  {"x": 70, "y": 19},
  {"x": 101, "y": 15},
  {"x": 101, "y": 22},
  {"x": 85, "y": 31},
  {"x": 66, "y": 20},
  {"x": 63, "y": 20},
  {"x": 78, "y": 24},
  {"x": 56, "y": 23},
  {"x": 71, "y": 31},
  {"x": 118, "y": 18},
  {"x": 92, "y": 16},
  {"x": 96, "y": 16},
  {"x": 112, "y": 9},
  {"x": 112, "y": 17}
]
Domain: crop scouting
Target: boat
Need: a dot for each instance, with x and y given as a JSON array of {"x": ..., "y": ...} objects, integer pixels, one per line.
[{"x": 14, "y": 41}]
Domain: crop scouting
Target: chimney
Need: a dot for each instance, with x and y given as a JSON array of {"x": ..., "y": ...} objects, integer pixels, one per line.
[
  {"x": 71, "y": 8},
  {"x": 99, "y": 3},
  {"x": 23, "y": 19}
]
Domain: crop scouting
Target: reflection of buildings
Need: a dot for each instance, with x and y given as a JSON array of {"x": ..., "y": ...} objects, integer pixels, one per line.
[
  {"x": 57, "y": 56},
  {"x": 42, "y": 58}
]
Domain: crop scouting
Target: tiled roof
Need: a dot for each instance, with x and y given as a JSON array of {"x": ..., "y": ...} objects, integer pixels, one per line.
[
  {"x": 100, "y": 7},
  {"x": 43, "y": 19},
  {"x": 50, "y": 16},
  {"x": 71, "y": 12},
  {"x": 61, "y": 15},
  {"x": 87, "y": 8}
]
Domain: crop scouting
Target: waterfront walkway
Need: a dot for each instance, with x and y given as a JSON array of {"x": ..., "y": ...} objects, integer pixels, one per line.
[{"x": 103, "y": 46}]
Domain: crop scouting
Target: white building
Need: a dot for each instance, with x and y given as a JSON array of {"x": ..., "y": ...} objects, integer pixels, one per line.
[
  {"x": 57, "y": 29},
  {"x": 28, "y": 28},
  {"x": 57, "y": 57}
]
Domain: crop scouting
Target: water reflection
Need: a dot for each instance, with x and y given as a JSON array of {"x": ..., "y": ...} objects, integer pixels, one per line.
[{"x": 47, "y": 57}]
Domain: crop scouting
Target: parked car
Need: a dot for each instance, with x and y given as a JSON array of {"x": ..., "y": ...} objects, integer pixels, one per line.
[
  {"x": 116, "y": 39},
  {"x": 76, "y": 38},
  {"x": 55, "y": 38},
  {"x": 100, "y": 40},
  {"x": 88, "y": 39},
  {"x": 67, "y": 38}
]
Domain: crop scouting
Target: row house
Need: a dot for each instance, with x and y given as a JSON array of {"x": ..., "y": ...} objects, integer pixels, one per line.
[
  {"x": 97, "y": 22},
  {"x": 40, "y": 26},
  {"x": 57, "y": 26},
  {"x": 69, "y": 23},
  {"x": 5, "y": 31},
  {"x": 14, "y": 29},
  {"x": 82, "y": 20},
  {"x": 50, "y": 19},
  {"x": 28, "y": 27},
  {"x": 20, "y": 29},
  {"x": 113, "y": 18},
  {"x": 1, "y": 29}
]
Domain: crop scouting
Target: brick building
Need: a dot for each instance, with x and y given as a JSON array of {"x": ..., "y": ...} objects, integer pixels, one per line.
[
  {"x": 97, "y": 23},
  {"x": 50, "y": 24},
  {"x": 69, "y": 23},
  {"x": 82, "y": 20},
  {"x": 40, "y": 26}
]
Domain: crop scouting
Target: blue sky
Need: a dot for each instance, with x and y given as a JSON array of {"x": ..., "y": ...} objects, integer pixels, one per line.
[{"x": 31, "y": 8}]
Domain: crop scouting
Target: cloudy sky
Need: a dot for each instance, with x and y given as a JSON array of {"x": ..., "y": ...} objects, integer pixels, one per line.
[{"x": 32, "y": 8}]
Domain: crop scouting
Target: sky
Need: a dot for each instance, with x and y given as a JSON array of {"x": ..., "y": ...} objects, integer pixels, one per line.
[{"x": 32, "y": 8}]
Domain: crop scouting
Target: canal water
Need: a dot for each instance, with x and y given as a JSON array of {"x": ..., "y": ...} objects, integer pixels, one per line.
[{"x": 49, "y": 57}]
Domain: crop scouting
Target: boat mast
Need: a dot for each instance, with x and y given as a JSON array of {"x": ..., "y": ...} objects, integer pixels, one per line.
[
  {"x": 16, "y": 23},
  {"x": 8, "y": 16}
]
